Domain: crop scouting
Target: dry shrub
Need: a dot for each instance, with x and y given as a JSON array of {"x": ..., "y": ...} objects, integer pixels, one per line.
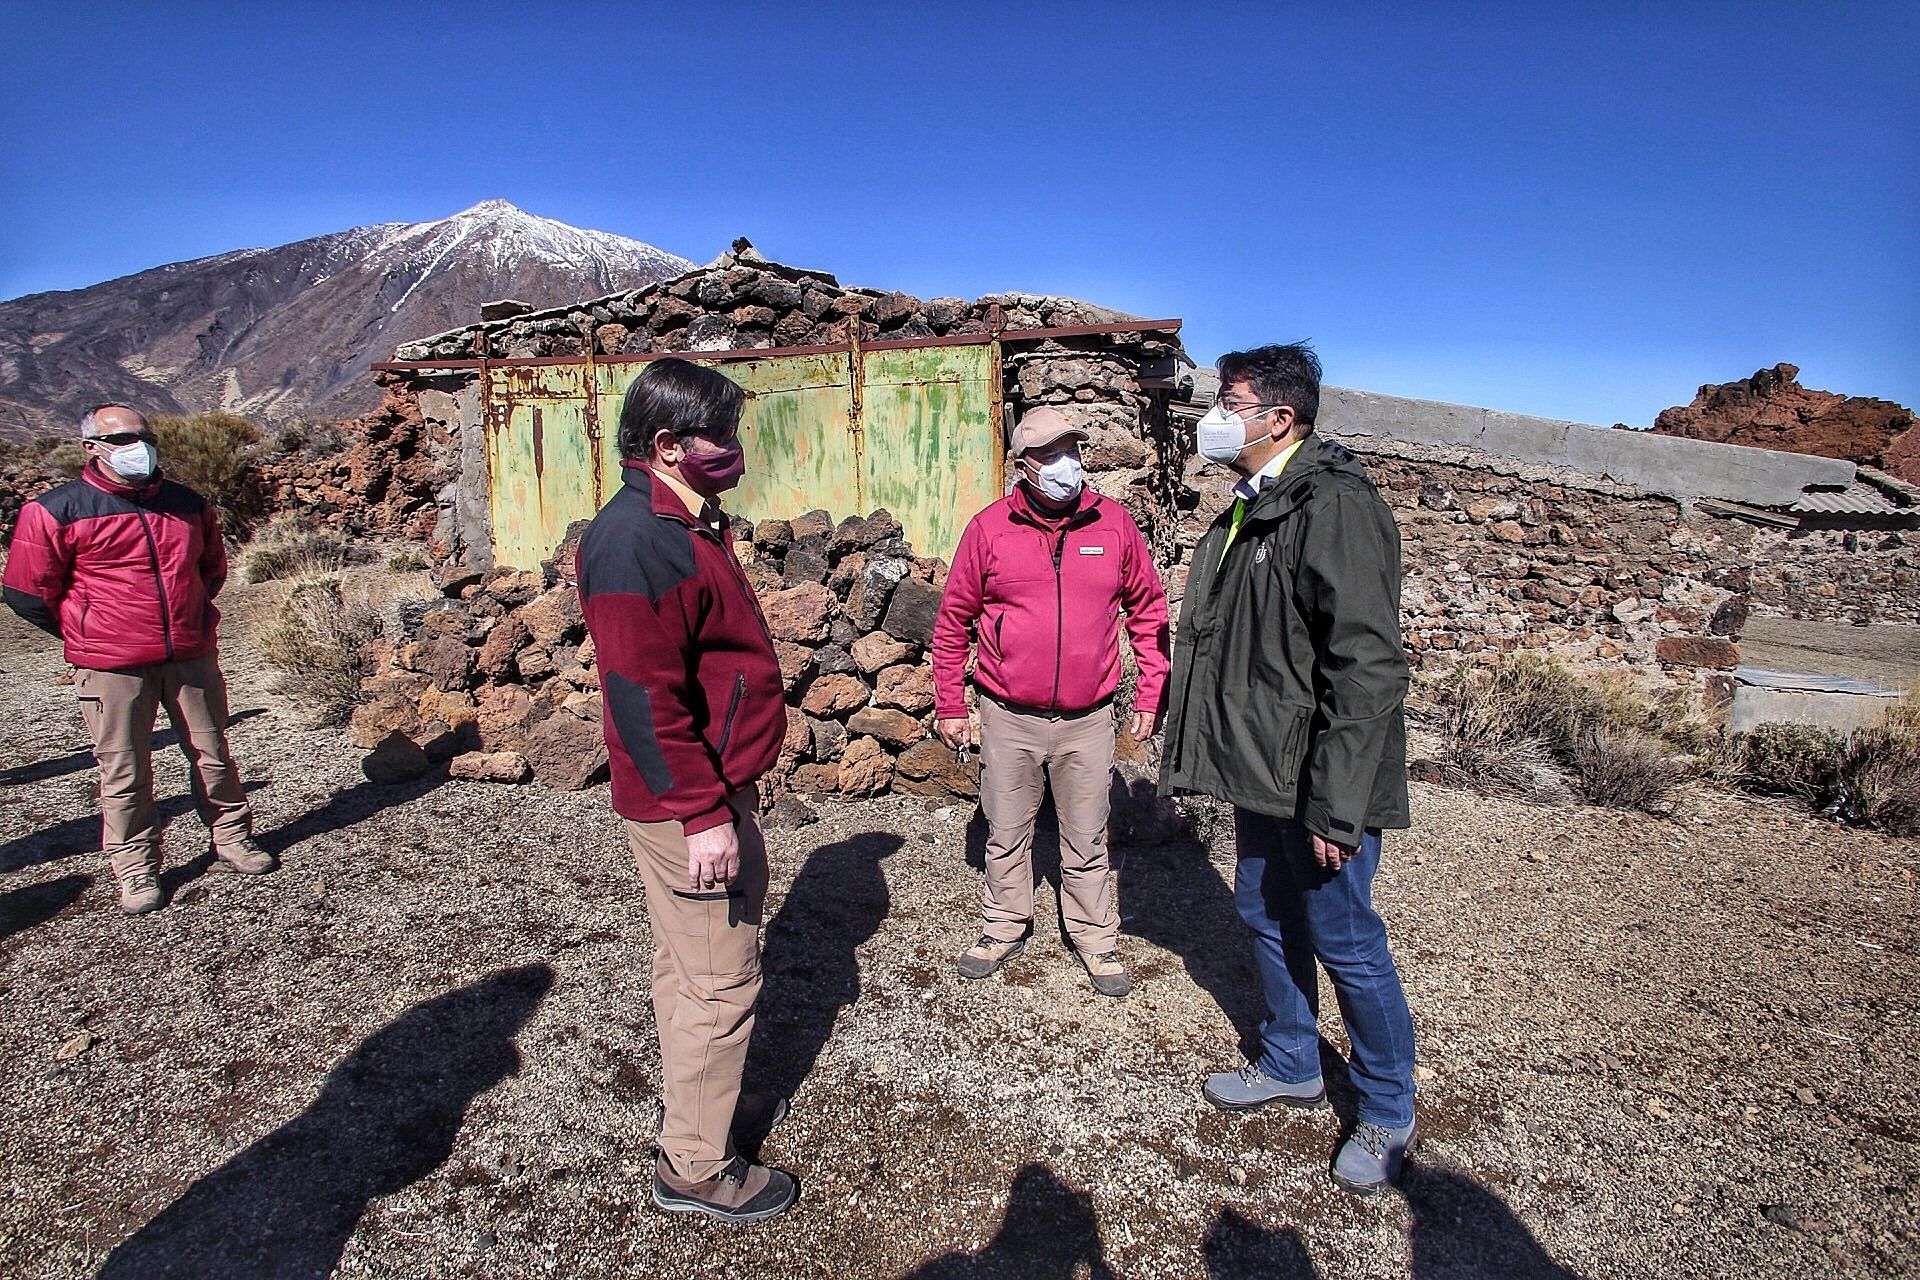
[
  {"x": 214, "y": 454},
  {"x": 1870, "y": 777},
  {"x": 1514, "y": 726},
  {"x": 314, "y": 640},
  {"x": 1628, "y": 769},
  {"x": 286, "y": 549}
]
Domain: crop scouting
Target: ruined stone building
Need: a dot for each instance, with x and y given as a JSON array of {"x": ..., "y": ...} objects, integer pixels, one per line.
[{"x": 1520, "y": 533}]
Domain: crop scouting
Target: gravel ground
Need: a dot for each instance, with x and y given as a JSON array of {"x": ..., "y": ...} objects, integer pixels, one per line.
[{"x": 424, "y": 1048}]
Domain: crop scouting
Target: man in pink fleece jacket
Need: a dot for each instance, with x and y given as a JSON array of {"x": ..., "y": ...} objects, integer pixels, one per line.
[{"x": 1039, "y": 582}]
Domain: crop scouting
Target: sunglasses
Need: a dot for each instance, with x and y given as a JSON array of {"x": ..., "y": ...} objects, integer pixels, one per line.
[{"x": 120, "y": 438}]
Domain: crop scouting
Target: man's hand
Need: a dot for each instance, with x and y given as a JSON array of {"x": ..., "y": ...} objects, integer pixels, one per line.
[
  {"x": 1330, "y": 855},
  {"x": 956, "y": 732},
  {"x": 1145, "y": 724},
  {"x": 713, "y": 858}
]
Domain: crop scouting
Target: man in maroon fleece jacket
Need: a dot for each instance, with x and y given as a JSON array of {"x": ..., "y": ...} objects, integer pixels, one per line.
[
  {"x": 694, "y": 714},
  {"x": 123, "y": 565},
  {"x": 1041, "y": 578}
]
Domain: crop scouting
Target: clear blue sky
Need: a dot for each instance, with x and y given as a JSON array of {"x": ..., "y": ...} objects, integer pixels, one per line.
[{"x": 1578, "y": 210}]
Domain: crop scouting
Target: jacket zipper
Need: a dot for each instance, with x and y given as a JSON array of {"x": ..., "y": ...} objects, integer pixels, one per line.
[
  {"x": 1059, "y": 619},
  {"x": 159, "y": 583},
  {"x": 733, "y": 707}
]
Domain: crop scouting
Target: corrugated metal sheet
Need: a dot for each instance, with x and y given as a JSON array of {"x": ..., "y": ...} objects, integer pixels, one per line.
[{"x": 1857, "y": 499}]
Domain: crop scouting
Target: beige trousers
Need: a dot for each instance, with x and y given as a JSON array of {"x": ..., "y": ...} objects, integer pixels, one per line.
[
  {"x": 1020, "y": 753},
  {"x": 119, "y": 709},
  {"x": 706, "y": 977}
]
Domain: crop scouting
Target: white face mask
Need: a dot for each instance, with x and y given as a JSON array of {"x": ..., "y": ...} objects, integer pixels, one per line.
[
  {"x": 1221, "y": 436},
  {"x": 1059, "y": 480},
  {"x": 134, "y": 461}
]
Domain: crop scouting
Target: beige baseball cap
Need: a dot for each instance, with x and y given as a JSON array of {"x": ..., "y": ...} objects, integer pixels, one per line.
[{"x": 1042, "y": 426}]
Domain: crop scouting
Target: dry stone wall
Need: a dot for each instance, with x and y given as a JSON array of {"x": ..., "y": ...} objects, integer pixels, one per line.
[
  {"x": 498, "y": 680},
  {"x": 1832, "y": 575}
]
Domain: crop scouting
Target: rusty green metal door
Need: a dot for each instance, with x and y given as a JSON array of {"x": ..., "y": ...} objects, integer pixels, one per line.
[{"x": 916, "y": 431}]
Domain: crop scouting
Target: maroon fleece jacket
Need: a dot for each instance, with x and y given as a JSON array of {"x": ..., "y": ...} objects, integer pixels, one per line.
[{"x": 694, "y": 707}]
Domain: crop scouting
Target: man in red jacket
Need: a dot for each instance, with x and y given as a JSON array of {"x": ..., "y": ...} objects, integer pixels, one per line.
[
  {"x": 123, "y": 565},
  {"x": 694, "y": 713},
  {"x": 1040, "y": 578}
]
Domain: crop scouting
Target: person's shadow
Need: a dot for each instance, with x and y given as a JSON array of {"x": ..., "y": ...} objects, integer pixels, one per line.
[
  {"x": 386, "y": 1117},
  {"x": 1238, "y": 1248},
  {"x": 21, "y": 909},
  {"x": 1050, "y": 1232},
  {"x": 1463, "y": 1231},
  {"x": 345, "y": 808},
  {"x": 1172, "y": 896},
  {"x": 809, "y": 959}
]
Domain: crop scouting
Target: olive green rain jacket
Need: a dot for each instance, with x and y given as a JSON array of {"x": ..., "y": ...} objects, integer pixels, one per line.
[{"x": 1289, "y": 680}]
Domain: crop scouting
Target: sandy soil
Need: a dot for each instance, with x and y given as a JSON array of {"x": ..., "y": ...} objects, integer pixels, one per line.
[{"x": 424, "y": 1047}]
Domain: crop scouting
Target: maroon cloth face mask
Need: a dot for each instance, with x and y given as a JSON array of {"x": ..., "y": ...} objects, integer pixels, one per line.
[{"x": 714, "y": 472}]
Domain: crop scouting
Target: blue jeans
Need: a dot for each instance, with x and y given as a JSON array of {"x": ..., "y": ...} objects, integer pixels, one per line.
[{"x": 1299, "y": 912}]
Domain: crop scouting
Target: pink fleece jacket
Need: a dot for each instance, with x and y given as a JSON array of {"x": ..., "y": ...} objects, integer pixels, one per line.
[{"x": 1043, "y": 596}]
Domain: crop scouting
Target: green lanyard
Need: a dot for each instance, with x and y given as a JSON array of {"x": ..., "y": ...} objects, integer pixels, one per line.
[{"x": 1233, "y": 529}]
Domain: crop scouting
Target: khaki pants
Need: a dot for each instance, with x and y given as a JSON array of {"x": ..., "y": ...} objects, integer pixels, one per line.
[
  {"x": 706, "y": 976},
  {"x": 119, "y": 708},
  {"x": 1020, "y": 753}
]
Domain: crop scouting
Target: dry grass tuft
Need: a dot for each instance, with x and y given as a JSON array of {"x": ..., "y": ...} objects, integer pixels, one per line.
[
  {"x": 286, "y": 550},
  {"x": 315, "y": 640}
]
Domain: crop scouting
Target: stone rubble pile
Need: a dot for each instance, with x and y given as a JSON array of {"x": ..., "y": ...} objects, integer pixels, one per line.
[{"x": 498, "y": 680}]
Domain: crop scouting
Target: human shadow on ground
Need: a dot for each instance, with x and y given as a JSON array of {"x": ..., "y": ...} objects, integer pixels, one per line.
[
  {"x": 346, "y": 808},
  {"x": 1463, "y": 1231},
  {"x": 1172, "y": 896},
  {"x": 82, "y": 834},
  {"x": 1460, "y": 1231},
  {"x": 1238, "y": 1248},
  {"x": 23, "y": 908},
  {"x": 810, "y": 957},
  {"x": 75, "y": 761},
  {"x": 1050, "y": 1232},
  {"x": 386, "y": 1117}
]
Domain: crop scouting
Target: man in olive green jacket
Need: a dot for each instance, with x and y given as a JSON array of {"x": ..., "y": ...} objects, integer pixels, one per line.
[{"x": 1287, "y": 700}]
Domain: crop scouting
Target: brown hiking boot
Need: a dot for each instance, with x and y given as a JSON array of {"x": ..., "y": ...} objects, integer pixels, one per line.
[
  {"x": 247, "y": 857},
  {"x": 739, "y": 1193},
  {"x": 985, "y": 957},
  {"x": 139, "y": 891},
  {"x": 1108, "y": 975}
]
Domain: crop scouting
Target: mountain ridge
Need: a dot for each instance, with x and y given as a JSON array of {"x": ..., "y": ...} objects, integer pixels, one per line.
[{"x": 285, "y": 332}]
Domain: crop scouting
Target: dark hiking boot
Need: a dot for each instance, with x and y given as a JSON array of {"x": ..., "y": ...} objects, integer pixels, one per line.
[
  {"x": 984, "y": 958},
  {"x": 1373, "y": 1156},
  {"x": 739, "y": 1193}
]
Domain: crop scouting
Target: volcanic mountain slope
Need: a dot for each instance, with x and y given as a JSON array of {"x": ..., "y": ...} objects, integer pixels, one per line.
[
  {"x": 279, "y": 334},
  {"x": 1771, "y": 410}
]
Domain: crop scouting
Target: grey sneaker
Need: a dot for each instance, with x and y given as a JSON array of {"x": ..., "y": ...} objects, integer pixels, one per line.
[
  {"x": 739, "y": 1193},
  {"x": 1250, "y": 1087},
  {"x": 1109, "y": 978},
  {"x": 985, "y": 957},
  {"x": 1373, "y": 1156},
  {"x": 139, "y": 892},
  {"x": 247, "y": 857}
]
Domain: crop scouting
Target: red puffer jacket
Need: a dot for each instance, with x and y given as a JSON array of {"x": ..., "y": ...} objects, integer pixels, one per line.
[
  {"x": 125, "y": 576},
  {"x": 1045, "y": 594}
]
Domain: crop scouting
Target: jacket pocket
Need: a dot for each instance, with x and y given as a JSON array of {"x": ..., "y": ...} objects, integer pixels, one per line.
[
  {"x": 631, "y": 707},
  {"x": 733, "y": 709}
]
